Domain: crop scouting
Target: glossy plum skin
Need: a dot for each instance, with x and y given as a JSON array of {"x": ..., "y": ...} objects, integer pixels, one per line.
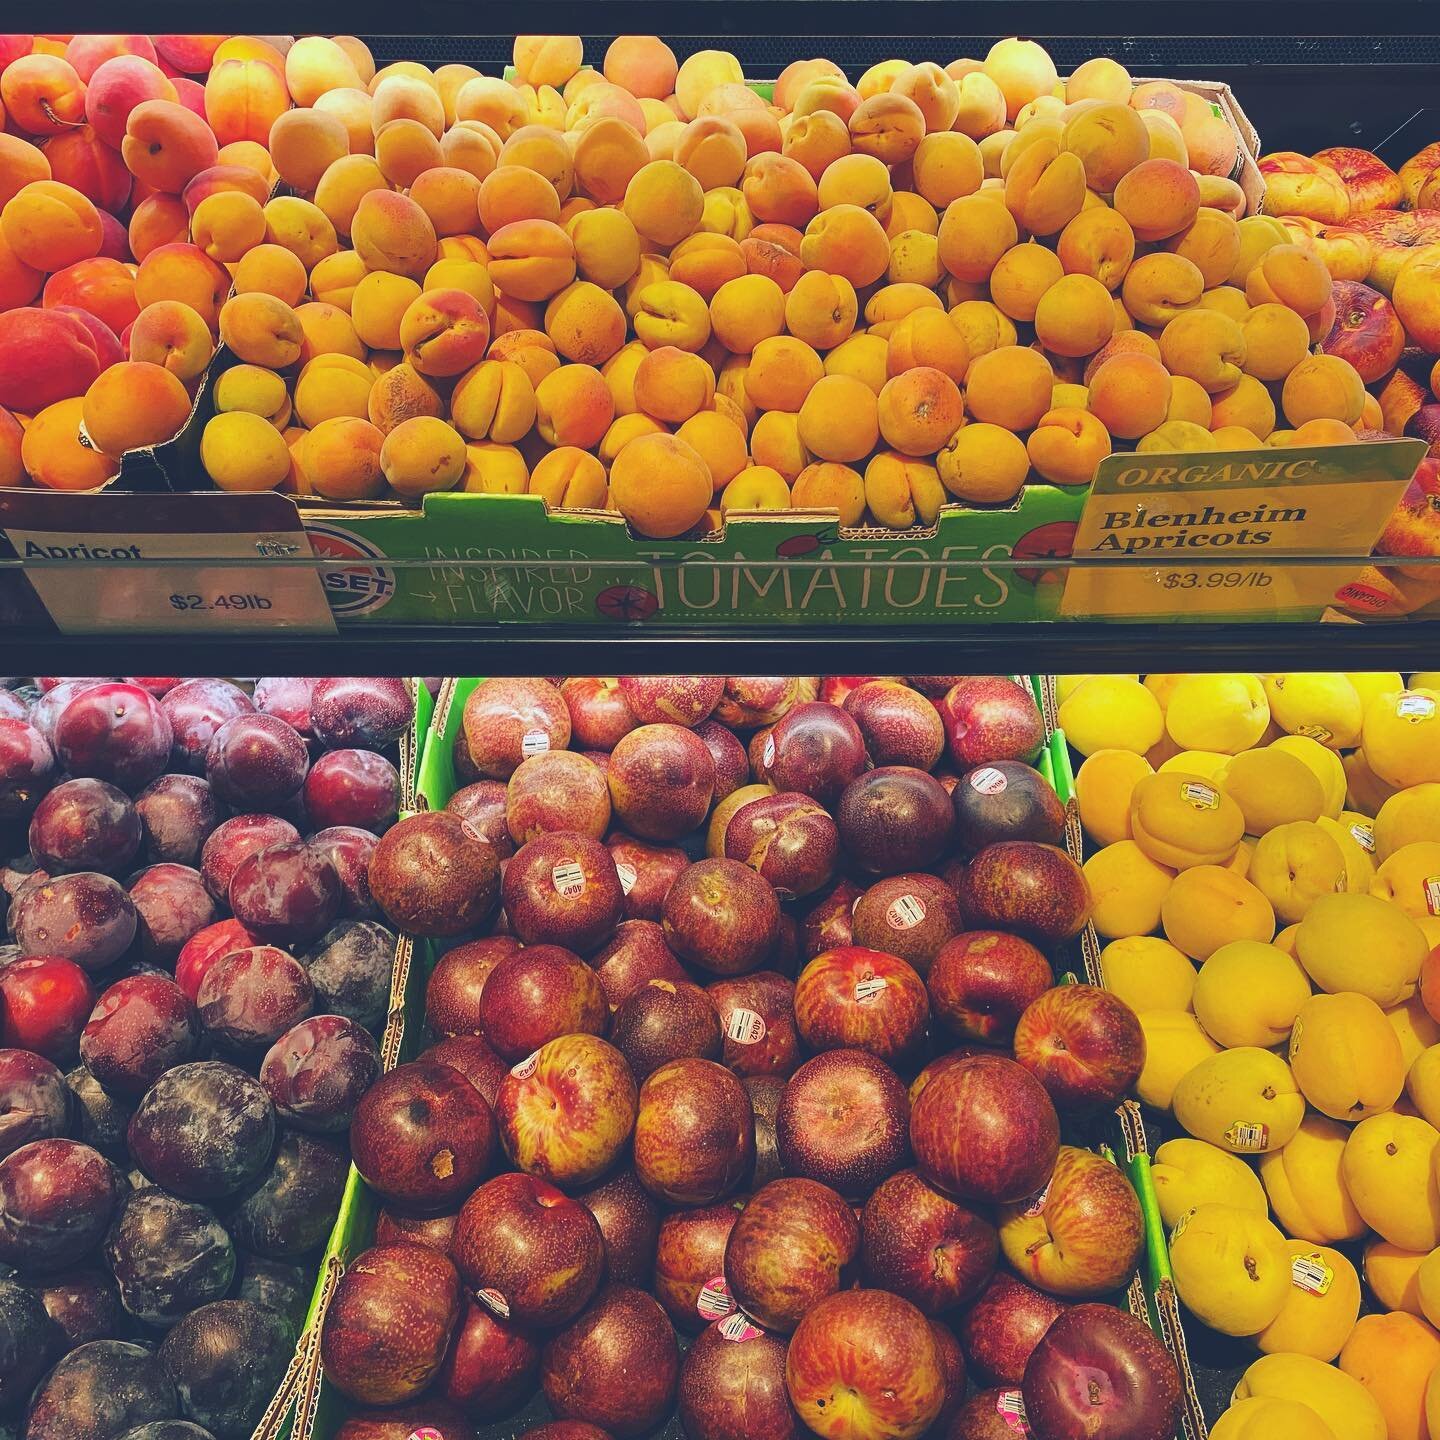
[
  {"x": 86, "y": 917},
  {"x": 482, "y": 807},
  {"x": 85, "y": 825},
  {"x": 44, "y": 1003},
  {"x": 27, "y": 767},
  {"x": 177, "y": 814},
  {"x": 316, "y": 1072},
  {"x": 100, "y": 1390},
  {"x": 234, "y": 840},
  {"x": 171, "y": 904},
  {"x": 349, "y": 848},
  {"x": 141, "y": 1027},
  {"x": 347, "y": 711},
  {"x": 196, "y": 710},
  {"x": 34, "y": 1101},
  {"x": 256, "y": 762},
  {"x": 168, "y": 1256},
  {"x": 85, "y": 1304},
  {"x": 350, "y": 967},
  {"x": 431, "y": 875},
  {"x": 288, "y": 698},
  {"x": 249, "y": 998},
  {"x": 56, "y": 1201},
  {"x": 207, "y": 946},
  {"x": 288, "y": 894},
  {"x": 355, "y": 788},
  {"x": 117, "y": 733}
]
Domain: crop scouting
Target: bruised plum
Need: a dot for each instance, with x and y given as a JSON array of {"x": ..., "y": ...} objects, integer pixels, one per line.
[
  {"x": 353, "y": 787},
  {"x": 256, "y": 761},
  {"x": 349, "y": 848},
  {"x": 34, "y": 1101},
  {"x": 371, "y": 713},
  {"x": 168, "y": 1256},
  {"x": 275, "y": 1285},
  {"x": 27, "y": 768},
  {"x": 29, "y": 1340},
  {"x": 290, "y": 1207},
  {"x": 226, "y": 1361},
  {"x": 99, "y": 1391},
  {"x": 350, "y": 967},
  {"x": 316, "y": 1072},
  {"x": 288, "y": 894},
  {"x": 203, "y": 1130},
  {"x": 433, "y": 876},
  {"x": 87, "y": 918},
  {"x": 85, "y": 1304},
  {"x": 1006, "y": 800},
  {"x": 233, "y": 841},
  {"x": 141, "y": 1027},
  {"x": 250, "y": 998},
  {"x": 171, "y": 904},
  {"x": 102, "y": 1118},
  {"x": 117, "y": 733},
  {"x": 177, "y": 814},
  {"x": 196, "y": 710},
  {"x": 56, "y": 1201}
]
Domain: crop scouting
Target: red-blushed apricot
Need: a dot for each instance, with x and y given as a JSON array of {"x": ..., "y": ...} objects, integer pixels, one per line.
[
  {"x": 183, "y": 272},
  {"x": 133, "y": 404},
  {"x": 573, "y": 406},
  {"x": 444, "y": 332},
  {"x": 779, "y": 189},
  {"x": 174, "y": 335},
  {"x": 391, "y": 232},
  {"x": 642, "y": 64},
  {"x": 1158, "y": 198},
  {"x": 42, "y": 94},
  {"x": 100, "y": 286},
  {"x": 48, "y": 225},
  {"x": 157, "y": 220},
  {"x": 919, "y": 410},
  {"x": 1130, "y": 394},
  {"x": 531, "y": 259},
  {"x": 661, "y": 486},
  {"x": 53, "y": 455}
]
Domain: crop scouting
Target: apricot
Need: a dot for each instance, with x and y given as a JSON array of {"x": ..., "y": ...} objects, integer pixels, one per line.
[
  {"x": 608, "y": 155},
  {"x": 1160, "y": 286},
  {"x": 928, "y": 338},
  {"x": 799, "y": 73},
  {"x": 1045, "y": 187},
  {"x": 816, "y": 141},
  {"x": 642, "y": 64},
  {"x": 1212, "y": 242},
  {"x": 756, "y": 488},
  {"x": 344, "y": 185},
  {"x": 669, "y": 313},
  {"x": 1206, "y": 346},
  {"x": 1167, "y": 142},
  {"x": 839, "y": 419},
  {"x": 1276, "y": 341},
  {"x": 400, "y": 96},
  {"x": 422, "y": 455},
  {"x": 776, "y": 444},
  {"x": 1099, "y": 79},
  {"x": 919, "y": 410},
  {"x": 330, "y": 386},
  {"x": 828, "y": 92},
  {"x": 48, "y": 225},
  {"x": 901, "y": 491},
  {"x": 980, "y": 106},
  {"x": 660, "y": 485},
  {"x": 1130, "y": 394},
  {"x": 20, "y": 163},
  {"x": 444, "y": 332},
  {"x": 243, "y": 452},
  {"x": 100, "y": 286},
  {"x": 829, "y": 486},
  {"x": 134, "y": 404},
  {"x": 173, "y": 335},
  {"x": 1159, "y": 198},
  {"x": 391, "y": 232},
  {"x": 1322, "y": 387},
  {"x": 778, "y": 189},
  {"x": 704, "y": 262},
  {"x": 1111, "y": 140},
  {"x": 52, "y": 455},
  {"x": 1009, "y": 386},
  {"x": 531, "y": 259},
  {"x": 1066, "y": 446},
  {"x": 746, "y": 311},
  {"x": 567, "y": 477},
  {"x": 116, "y": 88},
  {"x": 1075, "y": 316},
  {"x": 1248, "y": 404},
  {"x": 672, "y": 384},
  {"x": 243, "y": 99},
  {"x": 821, "y": 309},
  {"x": 496, "y": 401},
  {"x": 719, "y": 442},
  {"x": 1289, "y": 275},
  {"x": 726, "y": 213},
  {"x": 573, "y": 406},
  {"x": 586, "y": 323},
  {"x": 857, "y": 180},
  {"x": 933, "y": 92},
  {"x": 1210, "y": 140},
  {"x": 1021, "y": 276},
  {"x": 42, "y": 94},
  {"x": 1022, "y": 70},
  {"x": 182, "y": 272},
  {"x": 846, "y": 242},
  {"x": 253, "y": 389},
  {"x": 1099, "y": 243},
  {"x": 400, "y": 394}
]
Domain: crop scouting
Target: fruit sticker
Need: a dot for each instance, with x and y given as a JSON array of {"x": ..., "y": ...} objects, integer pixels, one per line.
[
  {"x": 715, "y": 1301},
  {"x": 744, "y": 1027},
  {"x": 767, "y": 753},
  {"x": 534, "y": 742},
  {"x": 736, "y": 1327},
  {"x": 1432, "y": 894},
  {"x": 627, "y": 876},
  {"x": 1364, "y": 836},
  {"x": 1241, "y": 1136},
  {"x": 1414, "y": 707},
  {"x": 988, "y": 781},
  {"x": 525, "y": 1068},
  {"x": 1036, "y": 1204},
  {"x": 1315, "y": 732},
  {"x": 905, "y": 913},
  {"x": 569, "y": 879},
  {"x": 1010, "y": 1407},
  {"x": 1179, "y": 1227},
  {"x": 494, "y": 1302},
  {"x": 867, "y": 990},
  {"x": 1202, "y": 797},
  {"x": 426, "y": 1432},
  {"x": 1311, "y": 1274}
]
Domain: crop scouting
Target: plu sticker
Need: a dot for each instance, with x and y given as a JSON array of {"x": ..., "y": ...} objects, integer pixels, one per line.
[
  {"x": 1432, "y": 894},
  {"x": 988, "y": 780},
  {"x": 568, "y": 877},
  {"x": 1315, "y": 732},
  {"x": 715, "y": 1301},
  {"x": 905, "y": 913},
  {"x": 426, "y": 1432},
  {"x": 1364, "y": 836},
  {"x": 736, "y": 1326},
  {"x": 1242, "y": 1136},
  {"x": 744, "y": 1027},
  {"x": 1035, "y": 1205},
  {"x": 867, "y": 990},
  {"x": 1180, "y": 1225},
  {"x": 525, "y": 1068},
  {"x": 767, "y": 751},
  {"x": 494, "y": 1302},
  {"x": 1010, "y": 1407},
  {"x": 1413, "y": 706},
  {"x": 1311, "y": 1274},
  {"x": 1295, "y": 1033},
  {"x": 1202, "y": 797},
  {"x": 534, "y": 742},
  {"x": 627, "y": 876}
]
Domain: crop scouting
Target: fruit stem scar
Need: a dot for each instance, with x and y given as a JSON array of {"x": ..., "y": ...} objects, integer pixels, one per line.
[{"x": 1268, "y": 1093}]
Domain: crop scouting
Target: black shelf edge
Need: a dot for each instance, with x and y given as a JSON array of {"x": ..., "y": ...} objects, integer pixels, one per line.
[{"x": 553, "y": 650}]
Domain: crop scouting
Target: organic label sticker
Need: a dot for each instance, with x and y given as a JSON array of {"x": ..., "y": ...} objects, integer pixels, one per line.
[
  {"x": 905, "y": 913},
  {"x": 1010, "y": 1407},
  {"x": 1202, "y": 797},
  {"x": 534, "y": 742},
  {"x": 715, "y": 1301},
  {"x": 988, "y": 780},
  {"x": 525, "y": 1068},
  {"x": 569, "y": 878},
  {"x": 1035, "y": 1205},
  {"x": 867, "y": 990},
  {"x": 767, "y": 752},
  {"x": 1411, "y": 706},
  {"x": 1247, "y": 1137},
  {"x": 495, "y": 1302},
  {"x": 744, "y": 1027},
  {"x": 1311, "y": 1274},
  {"x": 627, "y": 876},
  {"x": 1315, "y": 732},
  {"x": 736, "y": 1326},
  {"x": 1364, "y": 836}
]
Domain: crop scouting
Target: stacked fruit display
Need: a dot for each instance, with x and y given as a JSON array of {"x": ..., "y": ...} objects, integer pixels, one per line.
[
  {"x": 798, "y": 1099},
  {"x": 188, "y": 1009},
  {"x": 1282, "y": 832},
  {"x": 643, "y": 286}
]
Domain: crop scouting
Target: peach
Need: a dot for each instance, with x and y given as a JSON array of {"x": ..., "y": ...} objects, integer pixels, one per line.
[
  {"x": 547, "y": 59},
  {"x": 586, "y": 323},
  {"x": 261, "y": 330},
  {"x": 422, "y": 455},
  {"x": 701, "y": 73},
  {"x": 1022, "y": 70},
  {"x": 391, "y": 232},
  {"x": 642, "y": 64},
  {"x": 42, "y": 94},
  {"x": 669, "y": 313},
  {"x": 1066, "y": 446},
  {"x": 342, "y": 459},
  {"x": 1021, "y": 276},
  {"x": 888, "y": 126},
  {"x": 839, "y": 419},
  {"x": 1276, "y": 341},
  {"x": 405, "y": 97},
  {"x": 1206, "y": 346},
  {"x": 1159, "y": 198},
  {"x": 1075, "y": 316},
  {"x": 573, "y": 406},
  {"x": 1130, "y": 394},
  {"x": 1298, "y": 185},
  {"x": 243, "y": 99},
  {"x": 494, "y": 401},
  {"x": 756, "y": 488},
  {"x": 1159, "y": 286},
  {"x": 672, "y": 384},
  {"x": 242, "y": 452},
  {"x": 1322, "y": 387},
  {"x": 444, "y": 332},
  {"x": 1347, "y": 254},
  {"x": 117, "y": 87},
  {"x": 165, "y": 145},
  {"x": 778, "y": 189},
  {"x": 276, "y": 271},
  {"x": 53, "y": 456},
  {"x": 1247, "y": 403},
  {"x": 775, "y": 443},
  {"x": 48, "y": 225},
  {"x": 251, "y": 388},
  {"x": 919, "y": 410},
  {"x": 1211, "y": 242},
  {"x": 172, "y": 334},
  {"x": 1289, "y": 275},
  {"x": 182, "y": 272},
  {"x": 1099, "y": 243},
  {"x": 133, "y": 404},
  {"x": 1416, "y": 297},
  {"x": 664, "y": 202},
  {"x": 400, "y": 394},
  {"x": 332, "y": 385},
  {"x": 568, "y": 478},
  {"x": 100, "y": 286}
]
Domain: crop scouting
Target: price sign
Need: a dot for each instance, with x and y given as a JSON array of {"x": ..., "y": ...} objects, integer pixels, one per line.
[{"x": 84, "y": 557}]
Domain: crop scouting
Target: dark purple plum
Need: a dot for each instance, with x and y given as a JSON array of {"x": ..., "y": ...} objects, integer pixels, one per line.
[
  {"x": 177, "y": 814},
  {"x": 117, "y": 733},
  {"x": 140, "y": 1028},
  {"x": 250, "y": 998},
  {"x": 665, "y": 1020},
  {"x": 168, "y": 1430},
  {"x": 316, "y": 1072},
  {"x": 203, "y": 1130},
  {"x": 46, "y": 711},
  {"x": 288, "y": 697},
  {"x": 29, "y": 1341},
  {"x": 289, "y": 1208},
  {"x": 349, "y": 849},
  {"x": 482, "y": 807},
  {"x": 233, "y": 841},
  {"x": 1006, "y": 800},
  {"x": 85, "y": 1304},
  {"x": 629, "y": 1221},
  {"x": 353, "y": 787},
  {"x": 27, "y": 768},
  {"x": 12, "y": 706},
  {"x": 56, "y": 1201},
  {"x": 226, "y": 1361},
  {"x": 197, "y": 709},
  {"x": 172, "y": 904},
  {"x": 99, "y": 1391},
  {"x": 288, "y": 894},
  {"x": 103, "y": 1119},
  {"x": 256, "y": 761},
  {"x": 168, "y": 1256},
  {"x": 85, "y": 917},
  {"x": 275, "y": 1285},
  {"x": 85, "y": 825},
  {"x": 894, "y": 819},
  {"x": 351, "y": 711},
  {"x": 350, "y": 967},
  {"x": 815, "y": 748},
  {"x": 34, "y": 1101}
]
